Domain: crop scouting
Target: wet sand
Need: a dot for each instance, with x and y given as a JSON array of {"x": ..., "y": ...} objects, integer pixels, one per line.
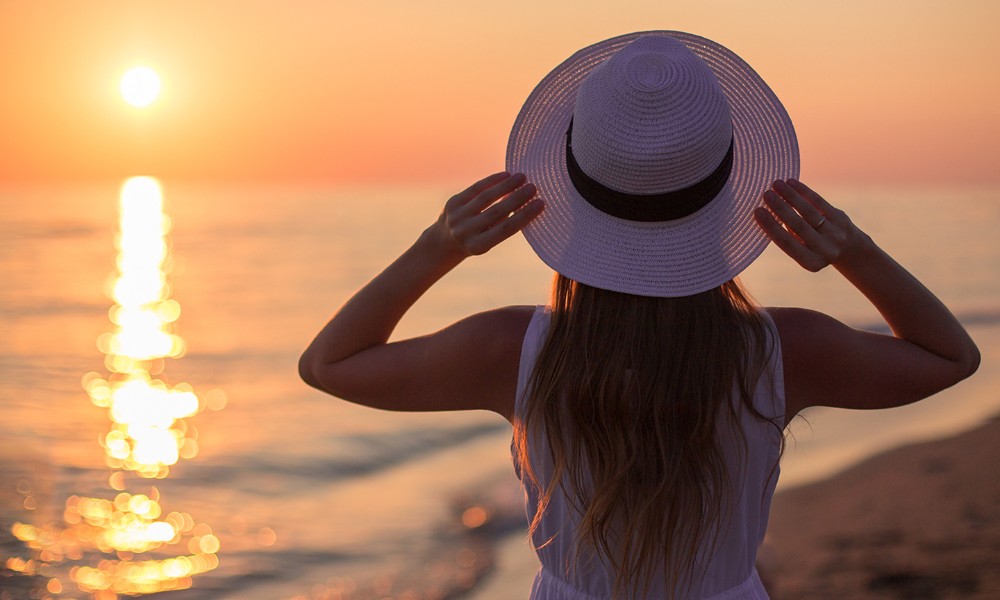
[{"x": 921, "y": 521}]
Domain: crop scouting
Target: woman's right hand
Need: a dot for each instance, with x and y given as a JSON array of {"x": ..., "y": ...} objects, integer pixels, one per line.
[
  {"x": 808, "y": 228},
  {"x": 487, "y": 213}
]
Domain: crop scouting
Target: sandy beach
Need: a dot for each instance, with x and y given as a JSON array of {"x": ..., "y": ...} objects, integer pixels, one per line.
[{"x": 921, "y": 521}]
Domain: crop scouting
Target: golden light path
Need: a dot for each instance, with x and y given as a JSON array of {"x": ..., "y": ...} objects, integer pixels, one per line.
[
  {"x": 149, "y": 433},
  {"x": 108, "y": 540}
]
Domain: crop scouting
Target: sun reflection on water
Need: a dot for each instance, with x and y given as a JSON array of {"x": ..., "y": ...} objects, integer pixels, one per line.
[
  {"x": 149, "y": 433},
  {"x": 125, "y": 544}
]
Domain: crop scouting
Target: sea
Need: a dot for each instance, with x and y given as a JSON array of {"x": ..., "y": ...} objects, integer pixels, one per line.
[{"x": 250, "y": 485}]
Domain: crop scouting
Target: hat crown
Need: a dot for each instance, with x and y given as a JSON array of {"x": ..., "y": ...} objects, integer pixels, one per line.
[{"x": 651, "y": 119}]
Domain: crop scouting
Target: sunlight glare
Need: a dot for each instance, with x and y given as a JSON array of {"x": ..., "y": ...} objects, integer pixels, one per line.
[
  {"x": 149, "y": 434},
  {"x": 140, "y": 86}
]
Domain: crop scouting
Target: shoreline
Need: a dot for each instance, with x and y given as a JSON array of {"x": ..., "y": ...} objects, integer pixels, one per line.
[{"x": 921, "y": 520}]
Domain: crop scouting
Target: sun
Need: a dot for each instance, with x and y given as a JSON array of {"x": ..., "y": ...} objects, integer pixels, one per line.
[{"x": 140, "y": 86}]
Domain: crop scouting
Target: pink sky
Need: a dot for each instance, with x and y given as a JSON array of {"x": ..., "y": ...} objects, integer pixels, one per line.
[{"x": 404, "y": 91}]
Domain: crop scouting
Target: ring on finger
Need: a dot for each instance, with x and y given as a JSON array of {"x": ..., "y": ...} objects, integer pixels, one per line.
[{"x": 820, "y": 223}]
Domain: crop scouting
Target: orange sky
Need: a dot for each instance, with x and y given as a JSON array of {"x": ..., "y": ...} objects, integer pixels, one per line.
[{"x": 401, "y": 90}]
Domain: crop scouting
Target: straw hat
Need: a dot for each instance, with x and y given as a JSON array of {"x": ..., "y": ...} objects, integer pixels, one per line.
[{"x": 651, "y": 150}]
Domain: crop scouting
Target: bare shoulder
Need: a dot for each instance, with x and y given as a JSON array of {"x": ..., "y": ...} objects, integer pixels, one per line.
[
  {"x": 493, "y": 339},
  {"x": 502, "y": 328},
  {"x": 501, "y": 332},
  {"x": 507, "y": 317},
  {"x": 813, "y": 348},
  {"x": 797, "y": 324},
  {"x": 804, "y": 333}
]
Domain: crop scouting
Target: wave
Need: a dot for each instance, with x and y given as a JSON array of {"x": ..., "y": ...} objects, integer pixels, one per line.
[
  {"x": 363, "y": 454},
  {"x": 36, "y": 230},
  {"x": 51, "y": 308}
]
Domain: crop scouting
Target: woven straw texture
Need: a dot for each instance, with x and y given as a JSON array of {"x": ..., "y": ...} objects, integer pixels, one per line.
[{"x": 682, "y": 257}]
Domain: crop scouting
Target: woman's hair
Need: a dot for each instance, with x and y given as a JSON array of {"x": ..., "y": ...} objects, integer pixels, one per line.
[{"x": 632, "y": 396}]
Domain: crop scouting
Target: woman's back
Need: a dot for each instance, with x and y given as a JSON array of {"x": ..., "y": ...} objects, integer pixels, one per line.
[
  {"x": 664, "y": 165},
  {"x": 754, "y": 470}
]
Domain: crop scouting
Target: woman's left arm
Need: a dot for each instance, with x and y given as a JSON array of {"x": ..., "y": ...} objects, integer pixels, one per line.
[{"x": 466, "y": 365}]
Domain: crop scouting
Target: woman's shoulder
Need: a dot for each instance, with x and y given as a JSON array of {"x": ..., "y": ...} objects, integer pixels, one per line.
[
  {"x": 799, "y": 328},
  {"x": 794, "y": 316},
  {"x": 503, "y": 328},
  {"x": 496, "y": 336},
  {"x": 801, "y": 335},
  {"x": 507, "y": 319}
]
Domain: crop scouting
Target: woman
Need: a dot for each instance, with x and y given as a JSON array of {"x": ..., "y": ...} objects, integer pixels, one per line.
[{"x": 649, "y": 400}]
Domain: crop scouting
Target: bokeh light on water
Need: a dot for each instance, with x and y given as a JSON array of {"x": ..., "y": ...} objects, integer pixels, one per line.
[
  {"x": 149, "y": 432},
  {"x": 126, "y": 544}
]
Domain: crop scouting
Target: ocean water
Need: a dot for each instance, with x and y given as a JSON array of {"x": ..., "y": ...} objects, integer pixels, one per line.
[{"x": 277, "y": 491}]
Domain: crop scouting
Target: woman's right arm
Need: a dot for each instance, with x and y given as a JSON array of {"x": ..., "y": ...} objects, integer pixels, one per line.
[{"x": 830, "y": 364}]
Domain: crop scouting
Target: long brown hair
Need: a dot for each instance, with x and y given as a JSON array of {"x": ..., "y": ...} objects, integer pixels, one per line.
[{"x": 632, "y": 395}]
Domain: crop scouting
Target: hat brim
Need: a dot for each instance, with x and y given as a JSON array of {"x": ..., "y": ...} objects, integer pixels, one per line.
[{"x": 665, "y": 259}]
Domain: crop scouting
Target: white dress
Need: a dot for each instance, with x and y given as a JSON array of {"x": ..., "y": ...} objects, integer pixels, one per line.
[{"x": 729, "y": 573}]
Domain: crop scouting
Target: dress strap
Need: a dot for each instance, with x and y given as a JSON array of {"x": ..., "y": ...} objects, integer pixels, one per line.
[{"x": 534, "y": 337}]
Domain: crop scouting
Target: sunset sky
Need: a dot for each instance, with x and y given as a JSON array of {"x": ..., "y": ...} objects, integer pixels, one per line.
[{"x": 404, "y": 90}]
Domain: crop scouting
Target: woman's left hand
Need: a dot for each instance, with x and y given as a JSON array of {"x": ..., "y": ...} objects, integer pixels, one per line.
[{"x": 487, "y": 213}]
